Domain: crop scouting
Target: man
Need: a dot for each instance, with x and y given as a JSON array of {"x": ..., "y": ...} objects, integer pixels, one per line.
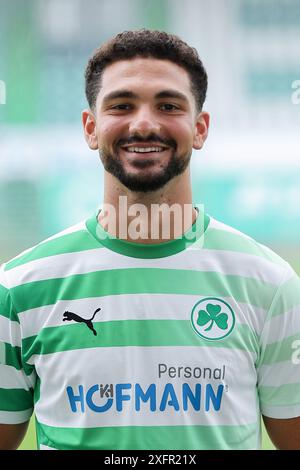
[{"x": 119, "y": 336}]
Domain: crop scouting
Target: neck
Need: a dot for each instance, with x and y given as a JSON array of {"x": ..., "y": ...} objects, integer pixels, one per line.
[{"x": 154, "y": 217}]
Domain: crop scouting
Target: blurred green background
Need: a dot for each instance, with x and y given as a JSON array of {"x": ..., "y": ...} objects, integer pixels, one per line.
[{"x": 247, "y": 175}]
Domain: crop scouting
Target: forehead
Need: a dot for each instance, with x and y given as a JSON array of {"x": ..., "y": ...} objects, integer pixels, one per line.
[{"x": 145, "y": 75}]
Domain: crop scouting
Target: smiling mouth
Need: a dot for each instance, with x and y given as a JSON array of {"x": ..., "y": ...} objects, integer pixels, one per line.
[{"x": 145, "y": 150}]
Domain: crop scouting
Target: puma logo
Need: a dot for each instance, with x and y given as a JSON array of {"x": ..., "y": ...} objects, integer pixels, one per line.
[{"x": 69, "y": 316}]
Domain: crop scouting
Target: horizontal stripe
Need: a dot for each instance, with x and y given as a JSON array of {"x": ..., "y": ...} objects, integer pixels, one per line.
[
  {"x": 132, "y": 307},
  {"x": 281, "y": 326},
  {"x": 15, "y": 417},
  {"x": 80, "y": 226},
  {"x": 280, "y": 373},
  {"x": 15, "y": 399},
  {"x": 223, "y": 262},
  {"x": 279, "y": 351},
  {"x": 3, "y": 293},
  {"x": 281, "y": 412},
  {"x": 10, "y": 331},
  {"x": 76, "y": 241},
  {"x": 148, "y": 438},
  {"x": 11, "y": 355},
  {"x": 138, "y": 280},
  {"x": 6, "y": 305},
  {"x": 2, "y": 353},
  {"x": 288, "y": 297},
  {"x": 7, "y": 311},
  {"x": 131, "y": 333},
  {"x": 287, "y": 394},
  {"x": 216, "y": 239},
  {"x": 16, "y": 379}
]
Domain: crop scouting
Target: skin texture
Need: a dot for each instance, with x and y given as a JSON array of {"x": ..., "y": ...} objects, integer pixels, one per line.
[
  {"x": 11, "y": 435},
  {"x": 144, "y": 119},
  {"x": 284, "y": 433}
]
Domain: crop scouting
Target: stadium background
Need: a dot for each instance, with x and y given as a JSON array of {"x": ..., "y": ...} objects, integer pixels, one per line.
[{"x": 248, "y": 173}]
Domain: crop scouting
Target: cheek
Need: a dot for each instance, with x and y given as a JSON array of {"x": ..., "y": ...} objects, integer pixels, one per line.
[
  {"x": 183, "y": 135},
  {"x": 109, "y": 131},
  {"x": 180, "y": 124}
]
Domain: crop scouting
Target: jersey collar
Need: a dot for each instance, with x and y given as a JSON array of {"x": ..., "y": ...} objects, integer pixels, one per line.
[{"x": 145, "y": 250}]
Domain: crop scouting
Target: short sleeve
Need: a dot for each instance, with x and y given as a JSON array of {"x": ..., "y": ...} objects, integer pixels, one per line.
[
  {"x": 16, "y": 388},
  {"x": 279, "y": 362}
]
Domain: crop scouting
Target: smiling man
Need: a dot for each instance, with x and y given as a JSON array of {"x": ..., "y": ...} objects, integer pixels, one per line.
[
  {"x": 119, "y": 336},
  {"x": 145, "y": 118},
  {"x": 145, "y": 132}
]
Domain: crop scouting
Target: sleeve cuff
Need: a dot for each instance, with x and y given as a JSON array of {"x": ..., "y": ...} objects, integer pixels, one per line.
[
  {"x": 281, "y": 412},
  {"x": 15, "y": 417}
]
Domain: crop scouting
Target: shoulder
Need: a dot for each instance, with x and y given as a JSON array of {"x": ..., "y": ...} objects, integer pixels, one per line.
[
  {"x": 46, "y": 254},
  {"x": 266, "y": 278},
  {"x": 250, "y": 257},
  {"x": 221, "y": 236}
]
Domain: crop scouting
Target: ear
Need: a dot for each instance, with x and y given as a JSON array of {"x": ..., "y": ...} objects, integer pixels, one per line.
[
  {"x": 201, "y": 130},
  {"x": 90, "y": 128}
]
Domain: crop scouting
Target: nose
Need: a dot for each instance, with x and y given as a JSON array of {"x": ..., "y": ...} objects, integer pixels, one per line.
[{"x": 144, "y": 123}]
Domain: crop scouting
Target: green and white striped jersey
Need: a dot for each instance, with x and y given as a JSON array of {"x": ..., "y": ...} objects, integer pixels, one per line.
[{"x": 177, "y": 345}]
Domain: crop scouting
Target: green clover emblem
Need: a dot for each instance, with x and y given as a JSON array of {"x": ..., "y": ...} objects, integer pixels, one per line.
[{"x": 212, "y": 314}]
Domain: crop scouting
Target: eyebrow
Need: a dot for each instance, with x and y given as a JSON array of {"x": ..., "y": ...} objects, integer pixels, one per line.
[{"x": 129, "y": 94}]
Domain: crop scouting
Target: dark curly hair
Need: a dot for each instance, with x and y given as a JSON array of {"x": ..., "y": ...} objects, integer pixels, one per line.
[{"x": 146, "y": 43}]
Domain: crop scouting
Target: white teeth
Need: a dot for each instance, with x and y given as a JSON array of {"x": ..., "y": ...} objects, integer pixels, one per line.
[{"x": 144, "y": 149}]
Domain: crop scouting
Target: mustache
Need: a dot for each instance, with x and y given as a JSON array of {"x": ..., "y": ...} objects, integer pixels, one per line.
[{"x": 150, "y": 139}]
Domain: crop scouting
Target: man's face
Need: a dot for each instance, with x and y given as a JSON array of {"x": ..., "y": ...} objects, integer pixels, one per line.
[{"x": 145, "y": 124}]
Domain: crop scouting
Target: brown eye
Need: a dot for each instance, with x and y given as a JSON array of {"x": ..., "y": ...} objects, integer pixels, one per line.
[
  {"x": 169, "y": 107},
  {"x": 122, "y": 107}
]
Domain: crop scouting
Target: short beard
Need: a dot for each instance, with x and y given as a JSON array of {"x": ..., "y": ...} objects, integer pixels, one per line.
[{"x": 176, "y": 166}]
